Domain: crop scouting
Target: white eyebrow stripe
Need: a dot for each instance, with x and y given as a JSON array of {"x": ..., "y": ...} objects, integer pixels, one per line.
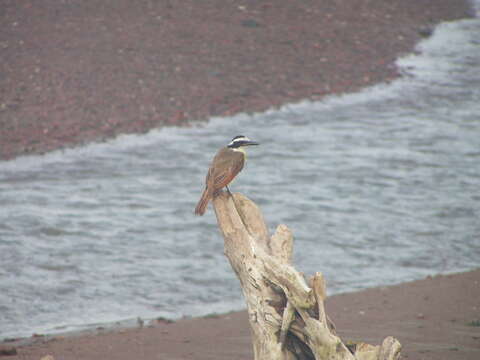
[{"x": 243, "y": 138}]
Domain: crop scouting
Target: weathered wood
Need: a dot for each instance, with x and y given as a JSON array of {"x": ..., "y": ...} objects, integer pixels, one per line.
[{"x": 287, "y": 316}]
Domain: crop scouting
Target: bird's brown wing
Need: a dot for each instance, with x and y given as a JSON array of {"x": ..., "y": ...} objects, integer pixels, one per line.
[{"x": 226, "y": 165}]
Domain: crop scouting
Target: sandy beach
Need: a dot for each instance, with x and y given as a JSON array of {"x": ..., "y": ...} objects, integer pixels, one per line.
[
  {"x": 436, "y": 318},
  {"x": 76, "y": 71}
]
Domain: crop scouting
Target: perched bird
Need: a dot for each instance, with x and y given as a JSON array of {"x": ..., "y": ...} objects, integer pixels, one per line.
[{"x": 226, "y": 164}]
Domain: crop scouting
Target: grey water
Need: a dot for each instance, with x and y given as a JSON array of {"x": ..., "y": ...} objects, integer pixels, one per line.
[{"x": 379, "y": 187}]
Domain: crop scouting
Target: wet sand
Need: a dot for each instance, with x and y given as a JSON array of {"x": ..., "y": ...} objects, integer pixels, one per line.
[{"x": 437, "y": 318}]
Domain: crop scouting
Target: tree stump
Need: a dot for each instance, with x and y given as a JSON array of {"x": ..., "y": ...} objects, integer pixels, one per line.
[{"x": 286, "y": 313}]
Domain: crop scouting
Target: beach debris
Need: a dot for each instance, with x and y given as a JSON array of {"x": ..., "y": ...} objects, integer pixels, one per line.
[
  {"x": 47, "y": 357},
  {"x": 8, "y": 350}
]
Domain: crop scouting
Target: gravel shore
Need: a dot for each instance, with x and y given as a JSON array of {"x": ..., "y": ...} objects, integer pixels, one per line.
[{"x": 75, "y": 71}]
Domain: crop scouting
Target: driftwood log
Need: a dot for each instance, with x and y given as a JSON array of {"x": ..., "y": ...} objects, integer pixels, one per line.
[{"x": 286, "y": 313}]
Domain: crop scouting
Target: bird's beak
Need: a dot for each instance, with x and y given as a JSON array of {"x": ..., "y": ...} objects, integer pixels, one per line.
[{"x": 251, "y": 143}]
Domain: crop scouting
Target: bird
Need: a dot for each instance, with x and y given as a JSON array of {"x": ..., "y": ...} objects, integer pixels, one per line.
[{"x": 226, "y": 164}]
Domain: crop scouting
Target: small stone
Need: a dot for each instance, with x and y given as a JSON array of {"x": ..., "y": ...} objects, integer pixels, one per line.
[
  {"x": 425, "y": 31},
  {"x": 251, "y": 23},
  {"x": 420, "y": 316}
]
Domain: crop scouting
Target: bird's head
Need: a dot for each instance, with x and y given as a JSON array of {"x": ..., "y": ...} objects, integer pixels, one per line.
[{"x": 240, "y": 141}]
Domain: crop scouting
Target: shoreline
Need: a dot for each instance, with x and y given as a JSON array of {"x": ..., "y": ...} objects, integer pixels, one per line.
[
  {"x": 67, "y": 90},
  {"x": 437, "y": 317},
  {"x": 116, "y": 68},
  {"x": 133, "y": 322}
]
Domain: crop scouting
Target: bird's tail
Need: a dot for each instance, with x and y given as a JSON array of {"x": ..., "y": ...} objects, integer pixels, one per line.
[{"x": 203, "y": 202}]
